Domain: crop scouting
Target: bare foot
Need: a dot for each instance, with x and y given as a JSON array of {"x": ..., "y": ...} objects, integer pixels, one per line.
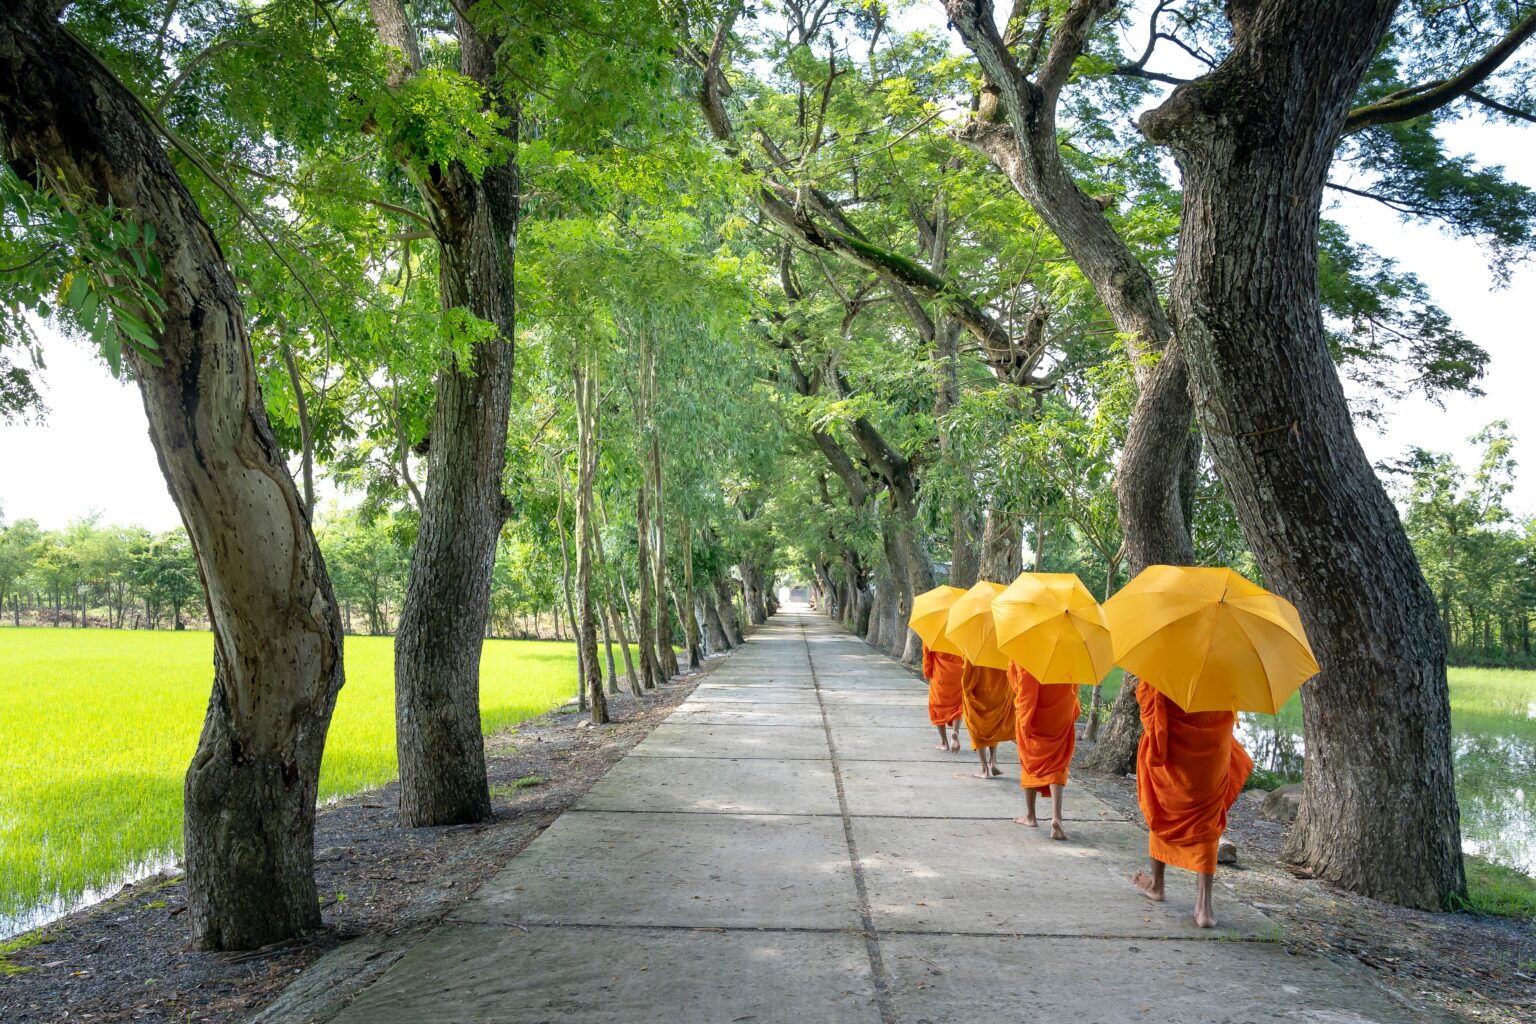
[
  {"x": 942, "y": 746},
  {"x": 1027, "y": 819},
  {"x": 1204, "y": 919},
  {"x": 954, "y": 744},
  {"x": 983, "y": 774},
  {"x": 1057, "y": 832},
  {"x": 1149, "y": 888},
  {"x": 996, "y": 770}
]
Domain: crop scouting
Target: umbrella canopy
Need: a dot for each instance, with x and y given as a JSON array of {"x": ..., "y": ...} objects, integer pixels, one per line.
[
  {"x": 1210, "y": 639},
  {"x": 970, "y": 626},
  {"x": 1050, "y": 624},
  {"x": 930, "y": 613}
]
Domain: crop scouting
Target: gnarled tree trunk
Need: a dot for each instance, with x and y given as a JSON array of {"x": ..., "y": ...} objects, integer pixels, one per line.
[
  {"x": 725, "y": 607},
  {"x": 715, "y": 640},
  {"x": 1027, "y": 150},
  {"x": 752, "y": 592},
  {"x": 1255, "y": 139},
  {"x": 1002, "y": 548},
  {"x": 72, "y": 128}
]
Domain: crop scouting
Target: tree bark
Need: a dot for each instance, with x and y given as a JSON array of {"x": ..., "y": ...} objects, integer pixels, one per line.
[
  {"x": 666, "y": 657},
  {"x": 615, "y": 622},
  {"x": 439, "y": 637},
  {"x": 650, "y": 668},
  {"x": 1379, "y": 813},
  {"x": 752, "y": 592},
  {"x": 714, "y": 630},
  {"x": 1002, "y": 548},
  {"x": 565, "y": 585},
  {"x": 725, "y": 606},
  {"x": 690, "y": 619},
  {"x": 879, "y": 609},
  {"x": 70, "y": 126},
  {"x": 586, "y": 461}
]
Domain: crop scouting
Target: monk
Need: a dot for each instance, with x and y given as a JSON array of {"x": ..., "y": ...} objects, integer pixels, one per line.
[
  {"x": 943, "y": 674},
  {"x": 987, "y": 704},
  {"x": 1046, "y": 731},
  {"x": 1189, "y": 771}
]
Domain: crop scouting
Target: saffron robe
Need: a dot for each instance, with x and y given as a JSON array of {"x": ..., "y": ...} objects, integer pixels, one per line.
[
  {"x": 1045, "y": 729},
  {"x": 1189, "y": 771},
  {"x": 943, "y": 674},
  {"x": 987, "y": 701}
]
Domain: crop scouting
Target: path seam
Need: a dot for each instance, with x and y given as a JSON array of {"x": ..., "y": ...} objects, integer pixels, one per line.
[{"x": 879, "y": 977}]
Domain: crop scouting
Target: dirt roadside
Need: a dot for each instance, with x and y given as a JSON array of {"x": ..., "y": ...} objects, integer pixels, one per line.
[{"x": 1462, "y": 967}]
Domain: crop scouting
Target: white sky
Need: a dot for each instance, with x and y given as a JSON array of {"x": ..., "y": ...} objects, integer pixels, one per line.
[{"x": 94, "y": 452}]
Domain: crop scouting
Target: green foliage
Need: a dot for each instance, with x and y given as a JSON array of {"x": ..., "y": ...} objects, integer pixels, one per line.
[
  {"x": 89, "y": 265},
  {"x": 1476, "y": 555},
  {"x": 1385, "y": 332},
  {"x": 438, "y": 117}
]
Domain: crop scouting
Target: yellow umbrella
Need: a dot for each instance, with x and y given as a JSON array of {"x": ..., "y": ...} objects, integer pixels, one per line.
[
  {"x": 970, "y": 626},
  {"x": 930, "y": 613},
  {"x": 1050, "y": 624},
  {"x": 1210, "y": 639}
]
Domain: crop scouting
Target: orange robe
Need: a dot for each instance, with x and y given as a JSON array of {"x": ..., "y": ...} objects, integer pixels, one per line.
[
  {"x": 1189, "y": 771},
  {"x": 943, "y": 674},
  {"x": 987, "y": 700},
  {"x": 1046, "y": 729}
]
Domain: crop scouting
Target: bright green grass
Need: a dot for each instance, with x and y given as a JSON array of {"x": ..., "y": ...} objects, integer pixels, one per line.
[
  {"x": 1501, "y": 891},
  {"x": 97, "y": 728}
]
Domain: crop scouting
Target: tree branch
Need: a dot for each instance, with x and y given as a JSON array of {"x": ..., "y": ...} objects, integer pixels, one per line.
[
  {"x": 1431, "y": 96},
  {"x": 1503, "y": 108}
]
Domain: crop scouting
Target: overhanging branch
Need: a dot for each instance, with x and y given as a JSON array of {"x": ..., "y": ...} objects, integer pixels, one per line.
[{"x": 1431, "y": 96}]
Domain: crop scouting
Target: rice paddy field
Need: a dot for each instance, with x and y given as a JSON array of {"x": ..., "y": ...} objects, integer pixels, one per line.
[{"x": 97, "y": 728}]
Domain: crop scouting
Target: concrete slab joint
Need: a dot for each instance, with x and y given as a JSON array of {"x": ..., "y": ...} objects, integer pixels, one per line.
[{"x": 788, "y": 847}]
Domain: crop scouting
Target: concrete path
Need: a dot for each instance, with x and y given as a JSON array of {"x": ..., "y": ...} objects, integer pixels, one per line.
[{"x": 788, "y": 846}]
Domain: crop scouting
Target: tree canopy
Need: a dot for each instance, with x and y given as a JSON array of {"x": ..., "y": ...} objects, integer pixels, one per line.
[{"x": 621, "y": 314}]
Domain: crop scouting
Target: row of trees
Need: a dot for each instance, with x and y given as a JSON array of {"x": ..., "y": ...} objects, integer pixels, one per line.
[
  {"x": 141, "y": 580},
  {"x": 1478, "y": 555},
  {"x": 1015, "y": 329},
  {"x": 795, "y": 290}
]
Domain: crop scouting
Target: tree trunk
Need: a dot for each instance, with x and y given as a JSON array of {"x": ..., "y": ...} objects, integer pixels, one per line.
[
  {"x": 1002, "y": 548},
  {"x": 650, "y": 667},
  {"x": 251, "y": 787},
  {"x": 666, "y": 657},
  {"x": 726, "y": 607},
  {"x": 714, "y": 629},
  {"x": 690, "y": 617},
  {"x": 586, "y": 461},
  {"x": 1379, "y": 813},
  {"x": 442, "y": 620},
  {"x": 752, "y": 592},
  {"x": 615, "y": 623},
  {"x": 565, "y": 585},
  {"x": 917, "y": 578}
]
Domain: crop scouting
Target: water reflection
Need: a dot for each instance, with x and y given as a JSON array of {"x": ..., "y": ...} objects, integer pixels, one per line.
[{"x": 1495, "y": 755}]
